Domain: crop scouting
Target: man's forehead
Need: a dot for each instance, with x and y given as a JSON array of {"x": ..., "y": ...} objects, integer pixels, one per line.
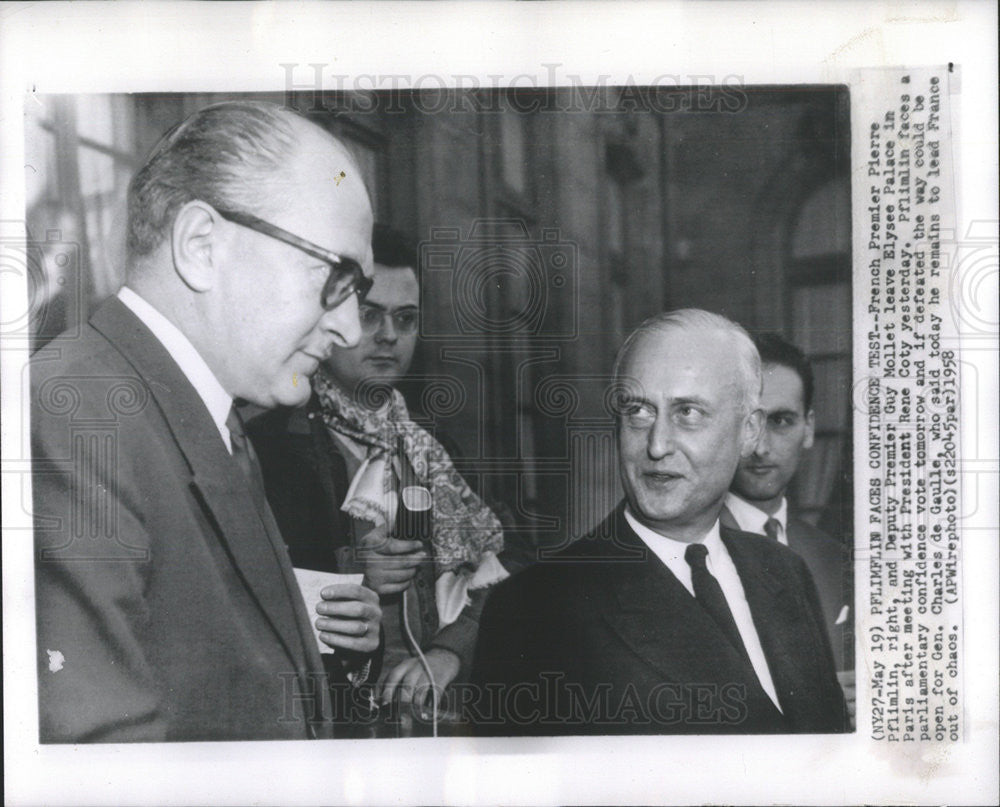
[
  {"x": 323, "y": 198},
  {"x": 679, "y": 364},
  {"x": 783, "y": 389},
  {"x": 394, "y": 286},
  {"x": 674, "y": 351}
]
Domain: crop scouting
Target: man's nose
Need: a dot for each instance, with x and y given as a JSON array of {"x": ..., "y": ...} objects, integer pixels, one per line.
[
  {"x": 343, "y": 323},
  {"x": 387, "y": 329},
  {"x": 660, "y": 441},
  {"x": 763, "y": 448}
]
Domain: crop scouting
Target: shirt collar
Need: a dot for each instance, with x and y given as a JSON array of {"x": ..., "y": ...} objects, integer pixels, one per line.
[
  {"x": 752, "y": 519},
  {"x": 216, "y": 399},
  {"x": 669, "y": 548}
]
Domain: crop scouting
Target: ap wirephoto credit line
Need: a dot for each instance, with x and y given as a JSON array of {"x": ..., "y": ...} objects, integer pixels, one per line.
[{"x": 909, "y": 547}]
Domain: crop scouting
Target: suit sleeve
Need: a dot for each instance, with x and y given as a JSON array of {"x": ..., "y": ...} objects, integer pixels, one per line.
[
  {"x": 505, "y": 668},
  {"x": 834, "y": 706},
  {"x": 460, "y": 636},
  {"x": 95, "y": 680}
]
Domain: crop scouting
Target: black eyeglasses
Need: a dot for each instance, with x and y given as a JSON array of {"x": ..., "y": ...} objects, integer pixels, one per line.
[
  {"x": 404, "y": 320},
  {"x": 346, "y": 275}
]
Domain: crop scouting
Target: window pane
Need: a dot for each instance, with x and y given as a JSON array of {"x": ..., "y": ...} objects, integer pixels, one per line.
[
  {"x": 832, "y": 394},
  {"x": 103, "y": 185},
  {"x": 815, "y": 479},
  {"x": 40, "y": 181},
  {"x": 821, "y": 318},
  {"x": 106, "y": 119},
  {"x": 513, "y": 155},
  {"x": 614, "y": 228}
]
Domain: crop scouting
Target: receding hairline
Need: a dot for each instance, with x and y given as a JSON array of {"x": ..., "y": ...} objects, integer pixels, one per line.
[
  {"x": 313, "y": 144},
  {"x": 247, "y": 156},
  {"x": 308, "y": 129},
  {"x": 641, "y": 338},
  {"x": 691, "y": 321}
]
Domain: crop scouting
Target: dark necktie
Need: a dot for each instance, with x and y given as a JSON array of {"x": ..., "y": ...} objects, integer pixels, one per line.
[
  {"x": 246, "y": 457},
  {"x": 709, "y": 594},
  {"x": 771, "y": 527}
]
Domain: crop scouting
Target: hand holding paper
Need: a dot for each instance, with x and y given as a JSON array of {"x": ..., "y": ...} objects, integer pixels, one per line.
[{"x": 346, "y": 615}]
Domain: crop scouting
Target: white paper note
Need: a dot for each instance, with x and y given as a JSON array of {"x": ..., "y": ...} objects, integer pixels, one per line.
[{"x": 311, "y": 583}]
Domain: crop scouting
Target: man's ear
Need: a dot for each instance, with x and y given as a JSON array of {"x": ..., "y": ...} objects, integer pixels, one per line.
[
  {"x": 753, "y": 427},
  {"x": 810, "y": 429},
  {"x": 193, "y": 244}
]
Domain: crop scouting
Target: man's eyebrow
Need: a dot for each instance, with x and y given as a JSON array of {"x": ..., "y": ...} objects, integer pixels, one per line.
[
  {"x": 784, "y": 412},
  {"x": 691, "y": 399},
  {"x": 380, "y": 307},
  {"x": 630, "y": 399}
]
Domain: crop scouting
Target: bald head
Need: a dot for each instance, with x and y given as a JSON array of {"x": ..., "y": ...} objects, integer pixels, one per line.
[
  {"x": 250, "y": 291},
  {"x": 247, "y": 156},
  {"x": 715, "y": 326}
]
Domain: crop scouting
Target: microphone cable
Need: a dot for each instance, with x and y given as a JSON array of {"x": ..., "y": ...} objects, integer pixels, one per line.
[
  {"x": 413, "y": 521},
  {"x": 423, "y": 663}
]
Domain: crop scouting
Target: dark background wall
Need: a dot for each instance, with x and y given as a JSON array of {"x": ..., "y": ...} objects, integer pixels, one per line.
[{"x": 550, "y": 223}]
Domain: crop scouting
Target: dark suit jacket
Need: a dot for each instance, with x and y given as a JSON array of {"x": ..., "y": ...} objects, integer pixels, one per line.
[
  {"x": 830, "y": 565},
  {"x": 165, "y": 608},
  {"x": 603, "y": 639}
]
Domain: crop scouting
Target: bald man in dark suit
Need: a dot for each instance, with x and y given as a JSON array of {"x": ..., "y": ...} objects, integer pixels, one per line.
[{"x": 661, "y": 621}]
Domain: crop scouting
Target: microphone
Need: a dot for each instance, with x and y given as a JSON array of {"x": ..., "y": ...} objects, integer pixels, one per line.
[
  {"x": 413, "y": 517},
  {"x": 414, "y": 523}
]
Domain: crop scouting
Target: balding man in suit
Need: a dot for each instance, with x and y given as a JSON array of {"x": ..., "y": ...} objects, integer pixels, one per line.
[
  {"x": 661, "y": 621},
  {"x": 167, "y": 607}
]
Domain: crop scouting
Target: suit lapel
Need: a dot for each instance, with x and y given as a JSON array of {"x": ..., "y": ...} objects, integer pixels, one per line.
[
  {"x": 656, "y": 616},
  {"x": 727, "y": 520},
  {"x": 777, "y": 616},
  {"x": 216, "y": 478}
]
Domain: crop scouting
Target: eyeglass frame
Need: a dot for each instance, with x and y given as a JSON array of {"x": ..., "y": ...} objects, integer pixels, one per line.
[
  {"x": 360, "y": 284},
  {"x": 393, "y": 315}
]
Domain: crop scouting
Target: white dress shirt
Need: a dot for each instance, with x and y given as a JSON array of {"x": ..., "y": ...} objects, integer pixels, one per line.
[
  {"x": 721, "y": 567},
  {"x": 752, "y": 519},
  {"x": 216, "y": 399}
]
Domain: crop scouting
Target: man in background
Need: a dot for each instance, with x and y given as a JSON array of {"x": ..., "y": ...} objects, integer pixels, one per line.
[
  {"x": 337, "y": 473},
  {"x": 757, "y": 499},
  {"x": 166, "y": 604},
  {"x": 661, "y": 620}
]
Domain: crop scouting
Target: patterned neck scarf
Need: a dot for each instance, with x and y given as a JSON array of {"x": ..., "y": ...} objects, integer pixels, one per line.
[{"x": 465, "y": 529}]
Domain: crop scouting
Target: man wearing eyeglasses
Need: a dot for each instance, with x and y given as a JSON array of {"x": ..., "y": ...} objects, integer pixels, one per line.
[
  {"x": 167, "y": 607},
  {"x": 337, "y": 473}
]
